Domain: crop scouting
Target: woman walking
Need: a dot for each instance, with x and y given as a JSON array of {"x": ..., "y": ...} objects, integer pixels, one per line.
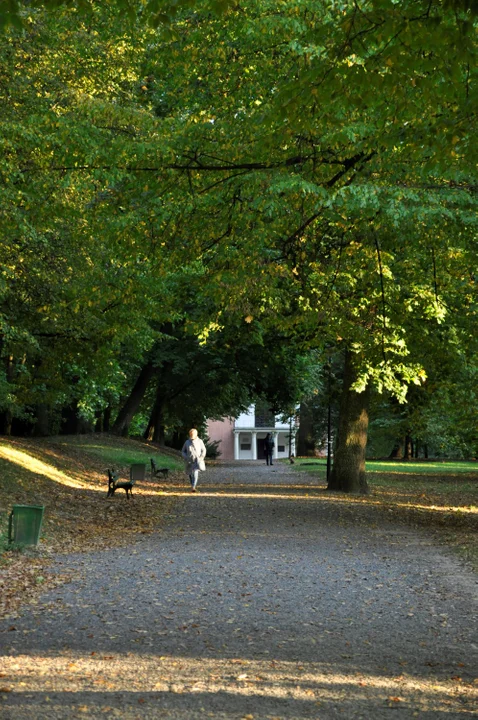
[{"x": 194, "y": 452}]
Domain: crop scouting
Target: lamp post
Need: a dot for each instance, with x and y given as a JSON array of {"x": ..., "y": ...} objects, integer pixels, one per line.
[
  {"x": 290, "y": 436},
  {"x": 329, "y": 422}
]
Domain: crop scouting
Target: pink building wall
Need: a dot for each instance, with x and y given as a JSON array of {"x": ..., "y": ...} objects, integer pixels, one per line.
[{"x": 222, "y": 430}]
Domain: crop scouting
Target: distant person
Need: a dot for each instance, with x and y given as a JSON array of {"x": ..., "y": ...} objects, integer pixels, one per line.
[
  {"x": 194, "y": 452},
  {"x": 269, "y": 448}
]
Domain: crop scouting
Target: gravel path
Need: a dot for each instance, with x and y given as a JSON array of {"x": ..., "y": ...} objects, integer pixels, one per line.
[{"x": 262, "y": 597}]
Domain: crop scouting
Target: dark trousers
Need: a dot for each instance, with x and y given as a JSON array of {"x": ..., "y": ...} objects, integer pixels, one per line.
[{"x": 269, "y": 457}]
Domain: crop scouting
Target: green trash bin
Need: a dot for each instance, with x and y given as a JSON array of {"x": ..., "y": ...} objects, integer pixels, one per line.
[{"x": 24, "y": 524}]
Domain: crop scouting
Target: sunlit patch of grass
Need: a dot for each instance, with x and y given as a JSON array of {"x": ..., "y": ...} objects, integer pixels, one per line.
[
  {"x": 117, "y": 457},
  {"x": 120, "y": 452},
  {"x": 426, "y": 467},
  {"x": 403, "y": 467},
  {"x": 34, "y": 465}
]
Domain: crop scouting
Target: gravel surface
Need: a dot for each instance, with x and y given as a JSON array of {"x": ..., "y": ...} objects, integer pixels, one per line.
[{"x": 262, "y": 597}]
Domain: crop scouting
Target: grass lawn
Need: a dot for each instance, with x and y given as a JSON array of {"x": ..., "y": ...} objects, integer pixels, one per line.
[
  {"x": 402, "y": 467},
  {"x": 440, "y": 495},
  {"x": 113, "y": 456}
]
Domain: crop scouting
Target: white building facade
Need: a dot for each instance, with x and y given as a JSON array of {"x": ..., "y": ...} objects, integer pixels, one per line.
[{"x": 243, "y": 438}]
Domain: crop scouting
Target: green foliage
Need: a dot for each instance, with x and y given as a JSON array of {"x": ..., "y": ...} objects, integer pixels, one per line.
[
  {"x": 426, "y": 468},
  {"x": 440, "y": 415},
  {"x": 195, "y": 380},
  {"x": 302, "y": 174},
  {"x": 18, "y": 13},
  {"x": 212, "y": 448}
]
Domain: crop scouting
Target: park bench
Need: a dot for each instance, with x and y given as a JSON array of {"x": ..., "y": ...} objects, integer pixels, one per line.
[
  {"x": 114, "y": 483},
  {"x": 137, "y": 472},
  {"x": 156, "y": 471}
]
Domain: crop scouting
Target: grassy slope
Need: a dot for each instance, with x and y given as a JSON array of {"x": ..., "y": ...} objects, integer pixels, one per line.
[{"x": 68, "y": 476}]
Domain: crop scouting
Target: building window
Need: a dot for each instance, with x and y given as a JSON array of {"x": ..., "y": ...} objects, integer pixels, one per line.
[
  {"x": 263, "y": 417},
  {"x": 245, "y": 446},
  {"x": 281, "y": 448}
]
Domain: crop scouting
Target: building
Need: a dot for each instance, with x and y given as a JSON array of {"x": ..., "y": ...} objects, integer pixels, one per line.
[{"x": 243, "y": 438}]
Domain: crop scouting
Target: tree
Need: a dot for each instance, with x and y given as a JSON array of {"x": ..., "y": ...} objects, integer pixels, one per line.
[
  {"x": 190, "y": 380},
  {"x": 313, "y": 164},
  {"x": 79, "y": 283},
  {"x": 439, "y": 419},
  {"x": 327, "y": 148}
]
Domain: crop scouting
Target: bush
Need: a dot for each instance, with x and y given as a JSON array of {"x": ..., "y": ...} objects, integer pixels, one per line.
[{"x": 212, "y": 448}]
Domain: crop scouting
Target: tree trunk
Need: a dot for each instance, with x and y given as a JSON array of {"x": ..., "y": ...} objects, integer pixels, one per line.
[
  {"x": 177, "y": 440},
  {"x": 397, "y": 450},
  {"x": 102, "y": 420},
  {"x": 408, "y": 448},
  {"x": 69, "y": 419},
  {"x": 6, "y": 417},
  {"x": 131, "y": 406},
  {"x": 305, "y": 439},
  {"x": 42, "y": 425},
  {"x": 155, "y": 430},
  {"x": 99, "y": 421},
  {"x": 348, "y": 471},
  {"x": 107, "y": 419}
]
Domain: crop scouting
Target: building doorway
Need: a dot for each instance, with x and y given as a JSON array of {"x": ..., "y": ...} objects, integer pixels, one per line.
[{"x": 261, "y": 451}]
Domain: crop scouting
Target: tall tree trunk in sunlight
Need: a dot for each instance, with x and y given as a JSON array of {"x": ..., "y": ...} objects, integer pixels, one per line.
[{"x": 348, "y": 471}]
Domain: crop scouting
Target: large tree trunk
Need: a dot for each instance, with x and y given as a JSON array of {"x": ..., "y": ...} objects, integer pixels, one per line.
[
  {"x": 131, "y": 406},
  {"x": 348, "y": 472},
  {"x": 6, "y": 419},
  {"x": 69, "y": 419}
]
